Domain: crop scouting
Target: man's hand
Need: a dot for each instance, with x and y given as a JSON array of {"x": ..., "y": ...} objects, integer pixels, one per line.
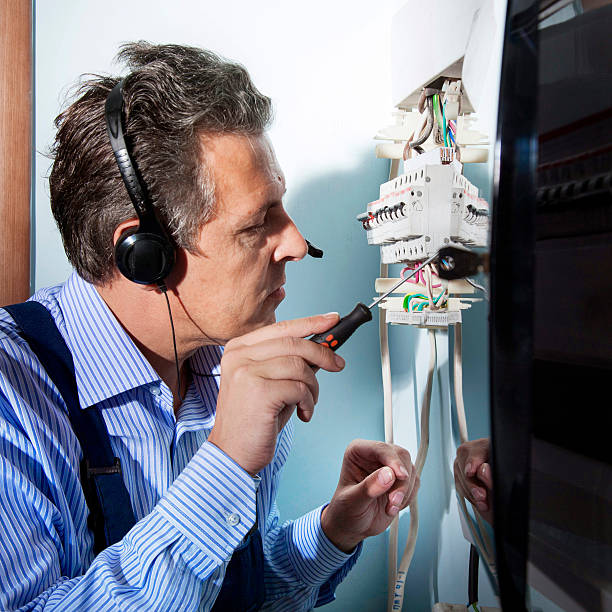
[
  {"x": 376, "y": 482},
  {"x": 265, "y": 374},
  {"x": 473, "y": 477}
]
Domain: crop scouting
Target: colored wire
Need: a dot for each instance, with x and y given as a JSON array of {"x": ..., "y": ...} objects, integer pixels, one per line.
[
  {"x": 408, "y": 298},
  {"x": 444, "y": 124},
  {"x": 436, "y": 105}
]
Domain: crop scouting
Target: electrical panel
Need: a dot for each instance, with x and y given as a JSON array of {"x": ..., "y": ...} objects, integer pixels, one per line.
[
  {"x": 428, "y": 203},
  {"x": 426, "y": 210}
]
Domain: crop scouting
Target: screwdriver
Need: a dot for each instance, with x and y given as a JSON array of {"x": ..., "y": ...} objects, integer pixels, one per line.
[{"x": 336, "y": 336}]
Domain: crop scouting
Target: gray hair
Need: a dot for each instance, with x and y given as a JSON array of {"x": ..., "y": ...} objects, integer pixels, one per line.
[{"x": 173, "y": 97}]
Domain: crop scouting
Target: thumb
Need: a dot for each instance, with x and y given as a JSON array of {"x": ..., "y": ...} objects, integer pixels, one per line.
[{"x": 377, "y": 482}]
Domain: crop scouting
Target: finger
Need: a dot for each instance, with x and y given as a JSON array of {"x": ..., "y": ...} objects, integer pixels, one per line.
[
  {"x": 289, "y": 393},
  {"x": 473, "y": 454},
  {"x": 376, "y": 484},
  {"x": 461, "y": 484},
  {"x": 371, "y": 454},
  {"x": 485, "y": 476},
  {"x": 469, "y": 487},
  {"x": 479, "y": 496},
  {"x": 311, "y": 352},
  {"x": 305, "y": 412},
  {"x": 288, "y": 368},
  {"x": 285, "y": 415},
  {"x": 298, "y": 328},
  {"x": 402, "y": 494}
]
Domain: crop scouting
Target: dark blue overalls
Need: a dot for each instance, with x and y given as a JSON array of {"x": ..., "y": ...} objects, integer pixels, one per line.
[{"x": 110, "y": 509}]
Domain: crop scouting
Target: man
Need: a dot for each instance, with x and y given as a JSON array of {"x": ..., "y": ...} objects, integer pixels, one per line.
[{"x": 201, "y": 434}]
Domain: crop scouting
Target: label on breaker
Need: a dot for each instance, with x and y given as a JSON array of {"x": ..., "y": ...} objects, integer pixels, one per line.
[{"x": 425, "y": 318}]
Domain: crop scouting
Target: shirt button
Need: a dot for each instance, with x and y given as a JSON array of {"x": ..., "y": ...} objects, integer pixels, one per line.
[
  {"x": 156, "y": 390},
  {"x": 233, "y": 519}
]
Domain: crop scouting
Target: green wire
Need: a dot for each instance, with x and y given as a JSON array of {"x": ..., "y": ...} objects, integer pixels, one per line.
[
  {"x": 436, "y": 105},
  {"x": 419, "y": 307},
  {"x": 444, "y": 125},
  {"x": 409, "y": 297}
]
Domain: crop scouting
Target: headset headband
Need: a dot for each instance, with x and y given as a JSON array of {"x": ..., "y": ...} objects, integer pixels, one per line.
[{"x": 114, "y": 128}]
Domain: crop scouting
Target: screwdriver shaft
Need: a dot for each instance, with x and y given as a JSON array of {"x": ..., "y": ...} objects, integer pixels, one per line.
[{"x": 402, "y": 281}]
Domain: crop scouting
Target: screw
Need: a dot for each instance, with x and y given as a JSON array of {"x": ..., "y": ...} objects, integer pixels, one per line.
[{"x": 448, "y": 263}]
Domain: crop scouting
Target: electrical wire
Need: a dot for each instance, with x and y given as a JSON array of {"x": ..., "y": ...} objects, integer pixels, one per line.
[
  {"x": 385, "y": 362},
  {"x": 428, "y": 126},
  {"x": 429, "y": 287},
  {"x": 477, "y": 286},
  {"x": 438, "y": 112},
  {"x": 400, "y": 582},
  {"x": 483, "y": 543},
  {"x": 164, "y": 290},
  {"x": 444, "y": 123},
  {"x": 473, "y": 577}
]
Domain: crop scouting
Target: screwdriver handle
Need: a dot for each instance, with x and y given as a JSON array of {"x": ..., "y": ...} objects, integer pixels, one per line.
[{"x": 335, "y": 337}]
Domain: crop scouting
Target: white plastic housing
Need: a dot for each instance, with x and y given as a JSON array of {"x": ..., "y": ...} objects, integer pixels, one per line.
[{"x": 429, "y": 206}]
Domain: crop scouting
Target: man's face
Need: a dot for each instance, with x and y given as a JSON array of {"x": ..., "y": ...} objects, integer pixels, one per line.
[{"x": 234, "y": 284}]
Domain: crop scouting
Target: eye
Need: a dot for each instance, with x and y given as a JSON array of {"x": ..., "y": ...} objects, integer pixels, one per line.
[
  {"x": 261, "y": 227},
  {"x": 255, "y": 229}
]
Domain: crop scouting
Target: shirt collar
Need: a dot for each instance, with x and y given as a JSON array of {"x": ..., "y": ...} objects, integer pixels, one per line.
[{"x": 106, "y": 360}]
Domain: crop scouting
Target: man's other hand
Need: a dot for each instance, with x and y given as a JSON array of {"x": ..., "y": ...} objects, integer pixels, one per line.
[
  {"x": 377, "y": 480},
  {"x": 265, "y": 374},
  {"x": 473, "y": 477}
]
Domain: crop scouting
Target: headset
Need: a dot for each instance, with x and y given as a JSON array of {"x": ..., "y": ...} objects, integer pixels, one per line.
[{"x": 144, "y": 255}]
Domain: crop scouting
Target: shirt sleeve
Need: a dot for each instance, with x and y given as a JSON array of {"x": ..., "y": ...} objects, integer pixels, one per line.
[
  {"x": 172, "y": 559},
  {"x": 302, "y": 567}
]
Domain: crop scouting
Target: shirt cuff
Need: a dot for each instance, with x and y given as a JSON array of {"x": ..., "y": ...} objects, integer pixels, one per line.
[
  {"x": 212, "y": 503},
  {"x": 313, "y": 555}
]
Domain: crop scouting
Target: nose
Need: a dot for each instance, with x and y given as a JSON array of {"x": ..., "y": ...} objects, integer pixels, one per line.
[{"x": 291, "y": 245}]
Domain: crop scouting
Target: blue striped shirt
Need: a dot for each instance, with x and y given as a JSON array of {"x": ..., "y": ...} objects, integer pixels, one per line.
[{"x": 193, "y": 504}]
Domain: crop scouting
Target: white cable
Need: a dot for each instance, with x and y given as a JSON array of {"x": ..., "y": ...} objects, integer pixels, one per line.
[
  {"x": 400, "y": 581},
  {"x": 429, "y": 287},
  {"x": 458, "y": 385},
  {"x": 385, "y": 362},
  {"x": 484, "y": 544},
  {"x": 477, "y": 286}
]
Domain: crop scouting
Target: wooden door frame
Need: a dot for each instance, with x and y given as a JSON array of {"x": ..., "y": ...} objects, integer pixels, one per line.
[{"x": 16, "y": 95}]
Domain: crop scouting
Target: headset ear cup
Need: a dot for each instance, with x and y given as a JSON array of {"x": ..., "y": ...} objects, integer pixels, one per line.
[{"x": 144, "y": 257}]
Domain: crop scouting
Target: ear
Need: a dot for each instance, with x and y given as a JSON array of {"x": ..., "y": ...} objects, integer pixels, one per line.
[{"x": 123, "y": 227}]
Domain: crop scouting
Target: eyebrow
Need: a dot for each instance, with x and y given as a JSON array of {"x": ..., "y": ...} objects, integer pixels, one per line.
[{"x": 268, "y": 204}]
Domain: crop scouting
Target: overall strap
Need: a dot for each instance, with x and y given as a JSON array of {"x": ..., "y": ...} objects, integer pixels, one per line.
[{"x": 111, "y": 514}]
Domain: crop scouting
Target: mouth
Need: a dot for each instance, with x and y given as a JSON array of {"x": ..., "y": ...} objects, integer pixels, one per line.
[{"x": 278, "y": 295}]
